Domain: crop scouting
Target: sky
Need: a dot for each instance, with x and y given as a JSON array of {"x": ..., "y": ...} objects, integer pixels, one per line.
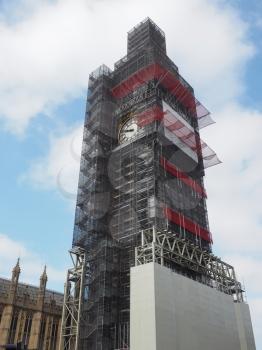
[{"x": 48, "y": 49}]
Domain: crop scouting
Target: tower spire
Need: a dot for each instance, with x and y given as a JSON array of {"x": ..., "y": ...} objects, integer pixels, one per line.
[
  {"x": 16, "y": 271},
  {"x": 42, "y": 288},
  {"x": 43, "y": 279},
  {"x": 14, "y": 281}
]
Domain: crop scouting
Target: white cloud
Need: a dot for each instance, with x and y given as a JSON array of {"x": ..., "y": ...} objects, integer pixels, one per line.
[
  {"x": 47, "y": 54},
  {"x": 234, "y": 187},
  {"x": 59, "y": 168},
  {"x": 31, "y": 264}
]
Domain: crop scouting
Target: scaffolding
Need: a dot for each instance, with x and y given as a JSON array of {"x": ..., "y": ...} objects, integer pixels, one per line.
[{"x": 154, "y": 179}]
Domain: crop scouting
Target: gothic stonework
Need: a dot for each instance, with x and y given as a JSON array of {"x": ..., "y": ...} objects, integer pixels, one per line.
[{"x": 29, "y": 314}]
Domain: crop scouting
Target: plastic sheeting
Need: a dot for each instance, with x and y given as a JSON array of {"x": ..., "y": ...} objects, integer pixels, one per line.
[{"x": 186, "y": 134}]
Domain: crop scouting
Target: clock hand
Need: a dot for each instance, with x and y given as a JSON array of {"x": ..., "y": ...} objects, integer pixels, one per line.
[{"x": 129, "y": 130}]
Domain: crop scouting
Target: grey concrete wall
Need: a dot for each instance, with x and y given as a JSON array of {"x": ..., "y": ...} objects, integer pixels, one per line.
[
  {"x": 142, "y": 309},
  {"x": 172, "y": 312},
  {"x": 246, "y": 335}
]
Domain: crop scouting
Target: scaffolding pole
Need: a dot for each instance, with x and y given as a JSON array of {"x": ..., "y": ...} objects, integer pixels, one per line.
[{"x": 73, "y": 300}]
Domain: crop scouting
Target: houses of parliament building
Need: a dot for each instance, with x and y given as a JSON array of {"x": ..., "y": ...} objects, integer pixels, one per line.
[{"x": 29, "y": 314}]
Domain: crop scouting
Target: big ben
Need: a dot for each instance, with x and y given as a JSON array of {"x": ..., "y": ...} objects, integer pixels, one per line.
[{"x": 141, "y": 176}]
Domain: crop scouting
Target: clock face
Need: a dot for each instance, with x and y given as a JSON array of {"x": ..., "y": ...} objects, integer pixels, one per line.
[{"x": 128, "y": 131}]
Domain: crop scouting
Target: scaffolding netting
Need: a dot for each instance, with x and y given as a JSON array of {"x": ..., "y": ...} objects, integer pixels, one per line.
[
  {"x": 174, "y": 83},
  {"x": 172, "y": 169},
  {"x": 186, "y": 223}
]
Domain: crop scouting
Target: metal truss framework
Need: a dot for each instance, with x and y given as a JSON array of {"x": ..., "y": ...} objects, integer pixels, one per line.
[
  {"x": 74, "y": 292},
  {"x": 169, "y": 250}
]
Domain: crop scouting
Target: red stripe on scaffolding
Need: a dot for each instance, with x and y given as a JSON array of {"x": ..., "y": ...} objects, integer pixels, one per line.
[
  {"x": 170, "y": 80},
  {"x": 187, "y": 224},
  {"x": 173, "y": 170}
]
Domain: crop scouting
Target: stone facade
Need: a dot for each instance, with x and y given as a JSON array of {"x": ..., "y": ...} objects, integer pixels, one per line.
[{"x": 29, "y": 314}]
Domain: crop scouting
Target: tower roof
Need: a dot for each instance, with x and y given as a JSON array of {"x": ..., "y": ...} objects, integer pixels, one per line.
[{"x": 145, "y": 34}]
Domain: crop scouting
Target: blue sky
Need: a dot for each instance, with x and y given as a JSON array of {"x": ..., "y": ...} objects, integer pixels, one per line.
[
  {"x": 48, "y": 48},
  {"x": 41, "y": 219},
  {"x": 251, "y": 11}
]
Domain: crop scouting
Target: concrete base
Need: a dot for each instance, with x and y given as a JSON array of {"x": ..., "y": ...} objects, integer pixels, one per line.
[{"x": 173, "y": 312}]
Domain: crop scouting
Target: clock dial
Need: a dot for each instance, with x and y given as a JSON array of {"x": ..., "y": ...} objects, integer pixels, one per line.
[{"x": 129, "y": 130}]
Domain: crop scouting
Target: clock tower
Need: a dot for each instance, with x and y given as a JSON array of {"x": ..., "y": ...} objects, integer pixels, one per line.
[{"x": 141, "y": 176}]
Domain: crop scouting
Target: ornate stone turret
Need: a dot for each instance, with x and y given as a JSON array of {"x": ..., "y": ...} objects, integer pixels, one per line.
[
  {"x": 42, "y": 289},
  {"x": 43, "y": 279},
  {"x": 16, "y": 272},
  {"x": 14, "y": 281},
  {"x": 9, "y": 308},
  {"x": 38, "y": 316}
]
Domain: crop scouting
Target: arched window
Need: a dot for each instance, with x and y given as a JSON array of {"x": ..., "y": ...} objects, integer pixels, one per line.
[
  {"x": 42, "y": 333},
  {"x": 13, "y": 327},
  {"x": 1, "y": 311},
  {"x": 54, "y": 333},
  {"x": 27, "y": 327}
]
